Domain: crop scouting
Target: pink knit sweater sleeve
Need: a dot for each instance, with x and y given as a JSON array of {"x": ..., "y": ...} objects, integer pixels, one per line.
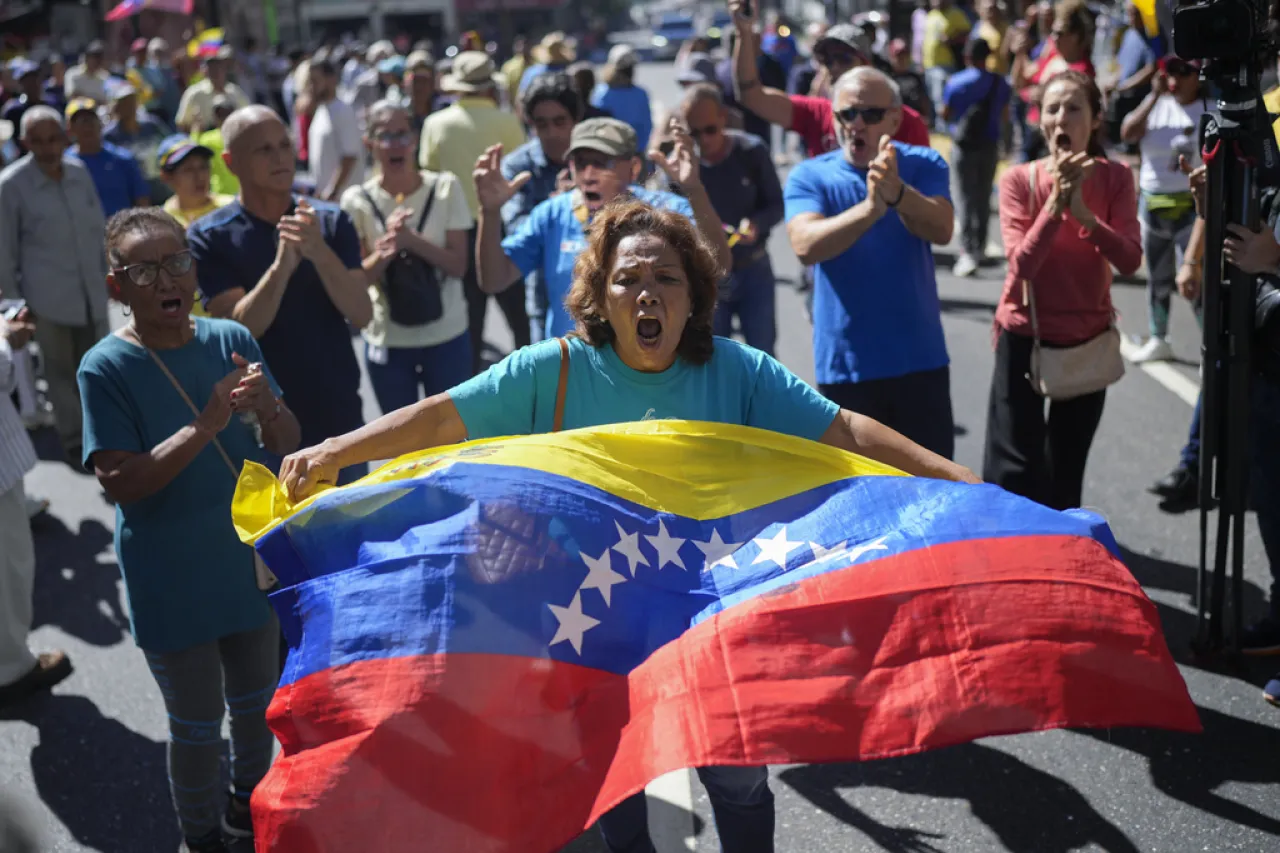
[
  {"x": 1025, "y": 227},
  {"x": 1118, "y": 235}
]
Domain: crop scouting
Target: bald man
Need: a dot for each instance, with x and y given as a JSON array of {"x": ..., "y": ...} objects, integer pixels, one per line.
[{"x": 288, "y": 268}]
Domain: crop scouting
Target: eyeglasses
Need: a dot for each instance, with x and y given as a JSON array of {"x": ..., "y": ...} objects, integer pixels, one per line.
[
  {"x": 146, "y": 273},
  {"x": 388, "y": 139},
  {"x": 870, "y": 115},
  {"x": 709, "y": 130},
  {"x": 581, "y": 161}
]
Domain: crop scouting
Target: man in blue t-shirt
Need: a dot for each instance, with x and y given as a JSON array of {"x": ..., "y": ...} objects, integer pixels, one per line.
[
  {"x": 289, "y": 269},
  {"x": 866, "y": 215},
  {"x": 604, "y": 164},
  {"x": 115, "y": 173},
  {"x": 975, "y": 103}
]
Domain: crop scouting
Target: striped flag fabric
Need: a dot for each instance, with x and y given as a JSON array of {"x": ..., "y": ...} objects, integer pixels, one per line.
[
  {"x": 492, "y": 644},
  {"x": 130, "y": 8}
]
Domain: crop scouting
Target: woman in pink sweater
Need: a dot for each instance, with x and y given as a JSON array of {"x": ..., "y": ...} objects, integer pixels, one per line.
[{"x": 1063, "y": 236}]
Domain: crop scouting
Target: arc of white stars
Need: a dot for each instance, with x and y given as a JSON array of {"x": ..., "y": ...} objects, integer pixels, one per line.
[
  {"x": 629, "y": 547},
  {"x": 718, "y": 552},
  {"x": 668, "y": 548},
  {"x": 573, "y": 623},
  {"x": 775, "y": 548},
  {"x": 601, "y": 576}
]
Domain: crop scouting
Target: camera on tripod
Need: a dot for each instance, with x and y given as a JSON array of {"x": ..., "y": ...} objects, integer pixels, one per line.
[{"x": 1219, "y": 29}]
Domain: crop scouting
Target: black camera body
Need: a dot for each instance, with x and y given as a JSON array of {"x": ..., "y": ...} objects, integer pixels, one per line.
[{"x": 1220, "y": 29}]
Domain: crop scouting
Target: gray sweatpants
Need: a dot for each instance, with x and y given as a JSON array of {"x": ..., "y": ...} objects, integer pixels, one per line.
[
  {"x": 199, "y": 684},
  {"x": 1164, "y": 242}
]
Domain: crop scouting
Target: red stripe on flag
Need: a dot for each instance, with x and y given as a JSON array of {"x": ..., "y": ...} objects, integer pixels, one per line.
[{"x": 917, "y": 651}]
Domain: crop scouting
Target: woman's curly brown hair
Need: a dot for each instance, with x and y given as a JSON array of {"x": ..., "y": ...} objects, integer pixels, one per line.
[{"x": 621, "y": 219}]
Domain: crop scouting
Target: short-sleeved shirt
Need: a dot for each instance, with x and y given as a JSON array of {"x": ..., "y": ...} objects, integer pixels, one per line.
[
  {"x": 116, "y": 176},
  {"x": 551, "y": 239},
  {"x": 196, "y": 106},
  {"x": 875, "y": 306},
  {"x": 738, "y": 385},
  {"x": 941, "y": 28},
  {"x": 1172, "y": 131},
  {"x": 455, "y": 137},
  {"x": 966, "y": 89},
  {"x": 813, "y": 119},
  {"x": 308, "y": 345},
  {"x": 333, "y": 136},
  {"x": 449, "y": 212},
  {"x": 188, "y": 578},
  {"x": 221, "y": 178}
]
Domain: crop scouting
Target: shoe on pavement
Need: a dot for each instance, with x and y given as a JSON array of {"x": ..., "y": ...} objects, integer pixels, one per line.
[
  {"x": 50, "y": 668},
  {"x": 964, "y": 266},
  {"x": 211, "y": 843},
  {"x": 1272, "y": 691},
  {"x": 1155, "y": 349},
  {"x": 1181, "y": 485},
  {"x": 237, "y": 820},
  {"x": 1262, "y": 637},
  {"x": 36, "y": 507}
]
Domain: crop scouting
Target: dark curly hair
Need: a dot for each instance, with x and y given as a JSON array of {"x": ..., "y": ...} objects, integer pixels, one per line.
[
  {"x": 556, "y": 87},
  {"x": 627, "y": 218}
]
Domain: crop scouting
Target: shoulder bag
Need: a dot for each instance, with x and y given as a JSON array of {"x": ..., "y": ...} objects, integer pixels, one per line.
[
  {"x": 410, "y": 283},
  {"x": 1062, "y": 373},
  {"x": 265, "y": 578},
  {"x": 971, "y": 129}
]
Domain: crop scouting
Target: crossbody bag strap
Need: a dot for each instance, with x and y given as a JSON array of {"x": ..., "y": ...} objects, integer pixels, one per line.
[
  {"x": 186, "y": 399},
  {"x": 562, "y": 386},
  {"x": 426, "y": 205},
  {"x": 1028, "y": 290},
  {"x": 374, "y": 205}
]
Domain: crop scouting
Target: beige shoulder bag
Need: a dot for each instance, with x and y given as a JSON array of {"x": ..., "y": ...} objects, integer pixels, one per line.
[
  {"x": 1062, "y": 373},
  {"x": 264, "y": 576}
]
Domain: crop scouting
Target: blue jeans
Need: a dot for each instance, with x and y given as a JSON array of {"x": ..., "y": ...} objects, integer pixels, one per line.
[
  {"x": 748, "y": 294},
  {"x": 740, "y": 800},
  {"x": 1191, "y": 450},
  {"x": 407, "y": 375}
]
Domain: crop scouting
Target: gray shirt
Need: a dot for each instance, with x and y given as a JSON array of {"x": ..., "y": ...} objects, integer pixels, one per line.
[{"x": 51, "y": 250}]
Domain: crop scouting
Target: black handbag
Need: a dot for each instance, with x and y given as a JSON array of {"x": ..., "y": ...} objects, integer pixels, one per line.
[{"x": 410, "y": 283}]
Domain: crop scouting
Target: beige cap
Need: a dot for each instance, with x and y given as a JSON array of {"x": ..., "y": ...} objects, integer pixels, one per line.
[
  {"x": 473, "y": 71},
  {"x": 606, "y": 135},
  {"x": 419, "y": 58}
]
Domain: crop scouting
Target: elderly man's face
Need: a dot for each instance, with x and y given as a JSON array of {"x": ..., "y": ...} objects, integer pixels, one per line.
[
  {"x": 647, "y": 301},
  {"x": 864, "y": 114},
  {"x": 47, "y": 141},
  {"x": 706, "y": 121},
  {"x": 599, "y": 177},
  {"x": 262, "y": 156}
]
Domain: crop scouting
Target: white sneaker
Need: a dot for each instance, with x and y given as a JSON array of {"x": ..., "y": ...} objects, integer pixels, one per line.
[
  {"x": 964, "y": 266},
  {"x": 1155, "y": 349}
]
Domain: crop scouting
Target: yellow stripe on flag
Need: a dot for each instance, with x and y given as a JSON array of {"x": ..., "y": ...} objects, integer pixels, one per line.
[{"x": 691, "y": 468}]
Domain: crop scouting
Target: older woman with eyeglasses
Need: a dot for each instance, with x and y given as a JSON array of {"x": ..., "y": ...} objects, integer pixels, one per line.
[
  {"x": 413, "y": 226},
  {"x": 173, "y": 406}
]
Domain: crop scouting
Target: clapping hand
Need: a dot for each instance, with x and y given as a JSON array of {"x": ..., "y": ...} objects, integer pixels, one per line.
[
  {"x": 20, "y": 330},
  {"x": 492, "y": 189},
  {"x": 302, "y": 230},
  {"x": 253, "y": 392},
  {"x": 883, "y": 180},
  {"x": 681, "y": 165}
]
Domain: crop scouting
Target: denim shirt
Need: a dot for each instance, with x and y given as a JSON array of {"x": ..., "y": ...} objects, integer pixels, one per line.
[{"x": 530, "y": 158}]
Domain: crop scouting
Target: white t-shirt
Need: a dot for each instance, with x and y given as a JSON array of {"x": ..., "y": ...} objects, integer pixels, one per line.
[
  {"x": 449, "y": 212},
  {"x": 1172, "y": 129},
  {"x": 335, "y": 134}
]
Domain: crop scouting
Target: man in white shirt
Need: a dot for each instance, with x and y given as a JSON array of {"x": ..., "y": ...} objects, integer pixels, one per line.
[
  {"x": 195, "y": 111},
  {"x": 89, "y": 78},
  {"x": 334, "y": 142}
]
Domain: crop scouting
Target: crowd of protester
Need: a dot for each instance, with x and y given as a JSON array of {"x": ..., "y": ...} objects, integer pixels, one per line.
[{"x": 285, "y": 202}]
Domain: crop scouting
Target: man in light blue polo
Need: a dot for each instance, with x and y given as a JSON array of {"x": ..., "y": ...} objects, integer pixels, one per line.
[{"x": 604, "y": 164}]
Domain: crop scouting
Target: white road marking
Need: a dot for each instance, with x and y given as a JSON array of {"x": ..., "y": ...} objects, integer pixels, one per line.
[
  {"x": 1166, "y": 374},
  {"x": 671, "y": 826}
]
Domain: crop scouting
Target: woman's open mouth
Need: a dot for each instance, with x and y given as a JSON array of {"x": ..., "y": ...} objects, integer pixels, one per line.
[
  {"x": 648, "y": 332},
  {"x": 171, "y": 307},
  {"x": 591, "y": 196},
  {"x": 1062, "y": 142},
  {"x": 396, "y": 160}
]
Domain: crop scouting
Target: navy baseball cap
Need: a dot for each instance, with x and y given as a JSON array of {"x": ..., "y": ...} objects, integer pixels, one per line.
[{"x": 177, "y": 148}]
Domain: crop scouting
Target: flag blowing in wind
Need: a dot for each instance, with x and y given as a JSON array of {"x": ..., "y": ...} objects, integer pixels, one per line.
[{"x": 494, "y": 643}]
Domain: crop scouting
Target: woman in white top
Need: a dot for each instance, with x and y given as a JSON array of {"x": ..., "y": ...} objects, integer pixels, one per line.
[
  {"x": 418, "y": 343},
  {"x": 1166, "y": 126}
]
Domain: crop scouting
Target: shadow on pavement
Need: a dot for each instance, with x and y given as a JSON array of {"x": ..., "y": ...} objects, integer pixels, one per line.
[
  {"x": 970, "y": 309},
  {"x": 72, "y": 589},
  {"x": 1050, "y": 816},
  {"x": 105, "y": 783},
  {"x": 660, "y": 812}
]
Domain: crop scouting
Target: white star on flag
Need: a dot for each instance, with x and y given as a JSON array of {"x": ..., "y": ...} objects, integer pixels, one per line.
[
  {"x": 851, "y": 555},
  {"x": 718, "y": 552},
  {"x": 600, "y": 575},
  {"x": 629, "y": 546},
  {"x": 668, "y": 547},
  {"x": 821, "y": 555},
  {"x": 776, "y": 548},
  {"x": 573, "y": 623},
  {"x": 858, "y": 551}
]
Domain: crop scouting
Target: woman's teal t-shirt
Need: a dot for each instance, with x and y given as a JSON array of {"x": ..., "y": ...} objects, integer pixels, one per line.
[
  {"x": 738, "y": 385},
  {"x": 188, "y": 578}
]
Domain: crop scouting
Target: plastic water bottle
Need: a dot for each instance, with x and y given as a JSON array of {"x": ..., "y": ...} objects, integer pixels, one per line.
[{"x": 249, "y": 417}]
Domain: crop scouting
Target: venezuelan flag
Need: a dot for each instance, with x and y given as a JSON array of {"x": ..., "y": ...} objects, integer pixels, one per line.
[
  {"x": 493, "y": 643},
  {"x": 206, "y": 43}
]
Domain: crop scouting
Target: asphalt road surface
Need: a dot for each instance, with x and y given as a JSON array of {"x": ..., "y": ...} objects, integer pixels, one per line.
[{"x": 86, "y": 765}]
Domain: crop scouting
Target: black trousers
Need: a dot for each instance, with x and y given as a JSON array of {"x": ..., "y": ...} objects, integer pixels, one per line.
[
  {"x": 1031, "y": 452},
  {"x": 510, "y": 301},
  {"x": 918, "y": 405}
]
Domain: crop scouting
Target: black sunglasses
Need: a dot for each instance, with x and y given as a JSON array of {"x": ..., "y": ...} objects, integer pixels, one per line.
[
  {"x": 870, "y": 115},
  {"x": 1180, "y": 69},
  {"x": 146, "y": 273},
  {"x": 699, "y": 132}
]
